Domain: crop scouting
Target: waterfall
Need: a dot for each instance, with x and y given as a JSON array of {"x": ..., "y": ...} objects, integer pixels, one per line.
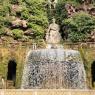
[{"x": 54, "y": 69}]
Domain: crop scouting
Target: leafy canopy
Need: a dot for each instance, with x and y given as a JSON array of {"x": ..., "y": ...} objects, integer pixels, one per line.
[{"x": 79, "y": 26}]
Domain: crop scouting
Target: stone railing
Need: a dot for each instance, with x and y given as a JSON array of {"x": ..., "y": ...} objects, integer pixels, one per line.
[
  {"x": 66, "y": 44},
  {"x": 80, "y": 44},
  {"x": 46, "y": 92}
]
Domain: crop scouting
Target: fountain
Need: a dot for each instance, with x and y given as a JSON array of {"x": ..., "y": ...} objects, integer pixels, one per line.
[{"x": 53, "y": 67}]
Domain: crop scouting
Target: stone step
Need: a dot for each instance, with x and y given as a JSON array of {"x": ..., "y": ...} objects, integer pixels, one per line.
[
  {"x": 10, "y": 84},
  {"x": 46, "y": 92}
]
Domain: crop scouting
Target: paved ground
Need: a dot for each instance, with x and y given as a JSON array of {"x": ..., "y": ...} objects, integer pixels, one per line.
[{"x": 46, "y": 92}]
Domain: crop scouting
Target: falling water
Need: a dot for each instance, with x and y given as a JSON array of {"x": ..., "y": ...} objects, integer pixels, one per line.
[{"x": 54, "y": 69}]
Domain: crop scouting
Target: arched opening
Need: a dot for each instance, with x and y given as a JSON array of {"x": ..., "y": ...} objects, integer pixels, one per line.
[
  {"x": 11, "y": 75},
  {"x": 93, "y": 73}
]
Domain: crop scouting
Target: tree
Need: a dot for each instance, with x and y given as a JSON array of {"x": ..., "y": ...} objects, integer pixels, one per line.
[{"x": 79, "y": 26}]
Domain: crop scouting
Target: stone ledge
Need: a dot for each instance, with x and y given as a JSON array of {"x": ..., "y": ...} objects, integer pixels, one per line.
[{"x": 45, "y": 92}]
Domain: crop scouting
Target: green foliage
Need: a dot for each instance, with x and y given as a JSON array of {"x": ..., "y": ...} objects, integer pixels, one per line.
[
  {"x": 2, "y": 31},
  {"x": 79, "y": 26},
  {"x": 25, "y": 14},
  {"x": 39, "y": 20},
  {"x": 38, "y": 16},
  {"x": 61, "y": 12},
  {"x": 4, "y": 22},
  {"x": 73, "y": 2},
  {"x": 17, "y": 34},
  {"x": 35, "y": 7},
  {"x": 4, "y": 10},
  {"x": 33, "y": 11},
  {"x": 38, "y": 31},
  {"x": 15, "y": 1},
  {"x": 75, "y": 37}
]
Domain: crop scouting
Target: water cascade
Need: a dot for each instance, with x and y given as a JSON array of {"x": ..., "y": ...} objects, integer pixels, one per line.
[{"x": 53, "y": 67}]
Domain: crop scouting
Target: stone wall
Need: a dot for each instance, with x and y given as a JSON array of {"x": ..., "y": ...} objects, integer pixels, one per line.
[{"x": 18, "y": 53}]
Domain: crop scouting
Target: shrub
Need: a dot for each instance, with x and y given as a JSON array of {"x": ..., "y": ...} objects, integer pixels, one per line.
[
  {"x": 15, "y": 1},
  {"x": 61, "y": 12},
  {"x": 2, "y": 30},
  {"x": 17, "y": 34},
  {"x": 74, "y": 2},
  {"x": 25, "y": 14},
  {"x": 34, "y": 12},
  {"x": 39, "y": 20},
  {"x": 79, "y": 26},
  {"x": 38, "y": 31}
]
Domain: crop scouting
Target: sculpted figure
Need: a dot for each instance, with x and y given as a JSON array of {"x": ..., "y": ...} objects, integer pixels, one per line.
[
  {"x": 52, "y": 3},
  {"x": 53, "y": 36}
]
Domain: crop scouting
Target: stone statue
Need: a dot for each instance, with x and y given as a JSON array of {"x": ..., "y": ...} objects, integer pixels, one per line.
[
  {"x": 52, "y": 3},
  {"x": 2, "y": 83},
  {"x": 53, "y": 36}
]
